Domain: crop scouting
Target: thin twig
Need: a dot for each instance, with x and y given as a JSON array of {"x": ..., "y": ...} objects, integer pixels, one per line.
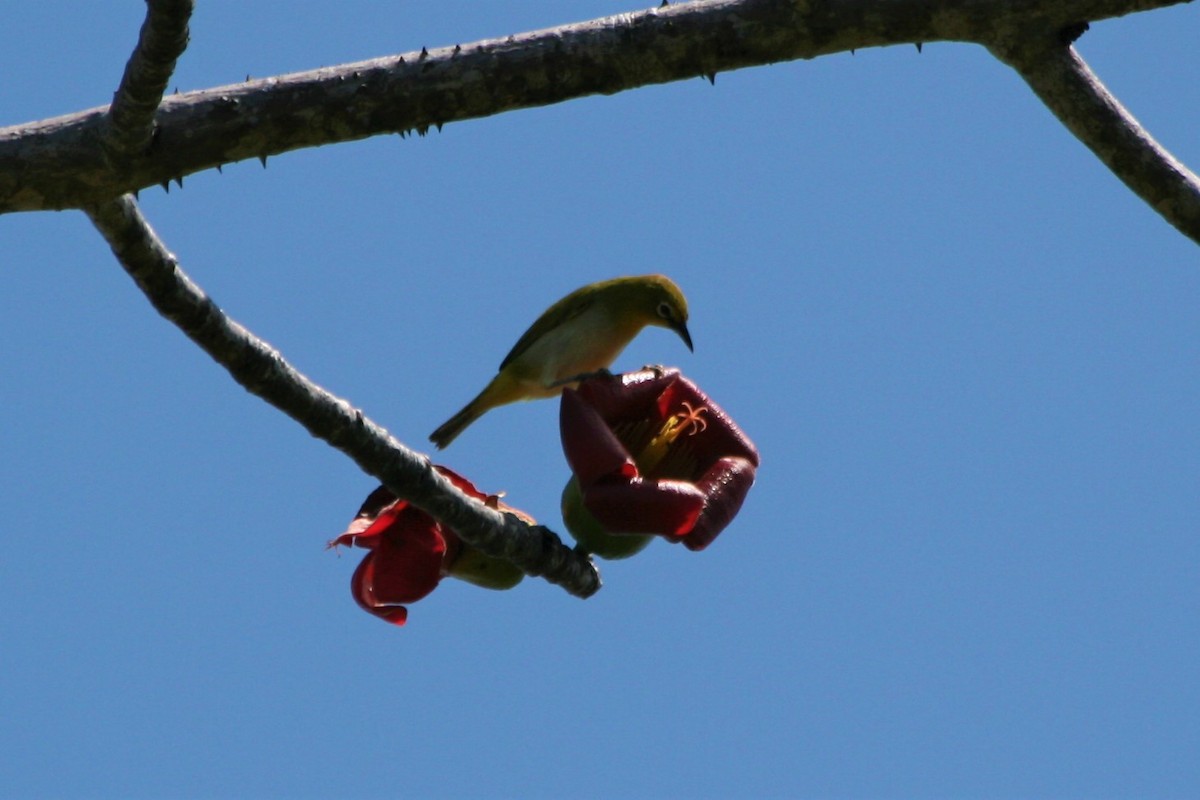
[
  {"x": 1063, "y": 81},
  {"x": 164, "y": 36},
  {"x": 264, "y": 372}
]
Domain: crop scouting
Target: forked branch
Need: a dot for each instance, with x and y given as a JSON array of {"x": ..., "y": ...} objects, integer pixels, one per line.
[{"x": 130, "y": 123}]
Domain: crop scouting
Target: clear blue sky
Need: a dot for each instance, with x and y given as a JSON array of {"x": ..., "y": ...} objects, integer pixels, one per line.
[{"x": 969, "y": 356}]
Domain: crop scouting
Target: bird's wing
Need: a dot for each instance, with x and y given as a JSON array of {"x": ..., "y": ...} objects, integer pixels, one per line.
[{"x": 565, "y": 309}]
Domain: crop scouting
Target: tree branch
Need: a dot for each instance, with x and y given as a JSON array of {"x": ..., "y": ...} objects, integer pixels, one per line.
[
  {"x": 54, "y": 164},
  {"x": 163, "y": 38},
  {"x": 264, "y": 372},
  {"x": 1063, "y": 81}
]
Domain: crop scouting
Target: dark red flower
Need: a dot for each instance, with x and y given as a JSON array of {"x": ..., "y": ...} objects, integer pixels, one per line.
[
  {"x": 652, "y": 454},
  {"x": 411, "y": 552}
]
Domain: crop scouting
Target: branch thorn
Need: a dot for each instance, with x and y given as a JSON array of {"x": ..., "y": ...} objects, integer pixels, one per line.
[{"x": 1071, "y": 33}]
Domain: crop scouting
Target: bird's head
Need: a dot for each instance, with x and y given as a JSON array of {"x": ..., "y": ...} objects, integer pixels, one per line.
[{"x": 660, "y": 302}]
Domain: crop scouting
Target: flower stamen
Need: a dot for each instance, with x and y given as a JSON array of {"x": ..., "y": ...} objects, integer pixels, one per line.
[
  {"x": 691, "y": 416},
  {"x": 690, "y": 421}
]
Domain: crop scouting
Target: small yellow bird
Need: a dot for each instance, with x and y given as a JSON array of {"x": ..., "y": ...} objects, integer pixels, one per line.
[{"x": 582, "y": 333}]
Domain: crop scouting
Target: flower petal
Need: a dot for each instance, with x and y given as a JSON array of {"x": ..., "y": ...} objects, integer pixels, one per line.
[
  {"x": 669, "y": 508},
  {"x": 361, "y": 587},
  {"x": 592, "y": 450},
  {"x": 405, "y": 566},
  {"x": 409, "y": 562},
  {"x": 632, "y": 394},
  {"x": 592, "y": 537},
  {"x": 460, "y": 482},
  {"x": 724, "y": 487},
  {"x": 365, "y": 528},
  {"x": 721, "y": 436}
]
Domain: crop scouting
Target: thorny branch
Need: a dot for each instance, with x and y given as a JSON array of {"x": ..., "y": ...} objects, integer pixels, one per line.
[{"x": 55, "y": 164}]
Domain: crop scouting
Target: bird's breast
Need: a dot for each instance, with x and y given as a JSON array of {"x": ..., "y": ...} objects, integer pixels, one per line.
[{"x": 586, "y": 343}]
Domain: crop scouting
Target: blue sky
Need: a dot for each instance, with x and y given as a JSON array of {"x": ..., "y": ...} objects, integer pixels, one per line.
[{"x": 969, "y": 357}]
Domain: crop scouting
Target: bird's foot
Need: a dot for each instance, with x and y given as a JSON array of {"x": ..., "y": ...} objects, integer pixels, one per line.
[
  {"x": 583, "y": 376},
  {"x": 658, "y": 369}
]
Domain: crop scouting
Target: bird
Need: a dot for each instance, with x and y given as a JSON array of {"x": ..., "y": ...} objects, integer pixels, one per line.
[{"x": 581, "y": 334}]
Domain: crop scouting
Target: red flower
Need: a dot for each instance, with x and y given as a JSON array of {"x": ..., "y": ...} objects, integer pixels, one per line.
[
  {"x": 411, "y": 552},
  {"x": 651, "y": 455}
]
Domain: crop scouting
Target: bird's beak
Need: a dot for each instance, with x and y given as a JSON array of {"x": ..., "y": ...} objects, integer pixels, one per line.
[{"x": 681, "y": 329}]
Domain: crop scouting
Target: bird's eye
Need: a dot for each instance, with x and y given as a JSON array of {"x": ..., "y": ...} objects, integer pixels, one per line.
[{"x": 664, "y": 310}]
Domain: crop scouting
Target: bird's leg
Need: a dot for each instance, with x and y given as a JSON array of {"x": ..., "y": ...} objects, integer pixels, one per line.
[
  {"x": 658, "y": 369},
  {"x": 583, "y": 376}
]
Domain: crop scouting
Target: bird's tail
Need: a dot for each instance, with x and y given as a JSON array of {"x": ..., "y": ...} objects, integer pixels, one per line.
[
  {"x": 451, "y": 428},
  {"x": 503, "y": 389}
]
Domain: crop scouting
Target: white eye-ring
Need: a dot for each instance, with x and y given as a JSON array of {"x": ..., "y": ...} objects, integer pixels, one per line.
[{"x": 664, "y": 310}]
